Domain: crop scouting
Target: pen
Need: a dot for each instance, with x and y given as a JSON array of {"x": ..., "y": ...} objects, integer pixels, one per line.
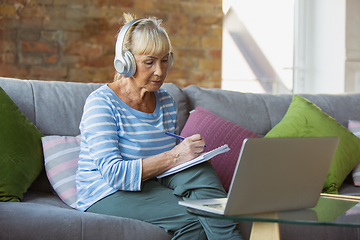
[{"x": 175, "y": 136}]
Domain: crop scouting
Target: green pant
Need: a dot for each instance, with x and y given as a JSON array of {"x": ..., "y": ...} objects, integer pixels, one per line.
[{"x": 157, "y": 203}]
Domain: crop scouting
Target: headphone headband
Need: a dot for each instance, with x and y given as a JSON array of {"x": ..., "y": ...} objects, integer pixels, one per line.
[{"x": 120, "y": 63}]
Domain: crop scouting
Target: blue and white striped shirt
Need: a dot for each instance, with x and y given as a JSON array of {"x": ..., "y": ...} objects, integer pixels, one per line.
[{"x": 114, "y": 140}]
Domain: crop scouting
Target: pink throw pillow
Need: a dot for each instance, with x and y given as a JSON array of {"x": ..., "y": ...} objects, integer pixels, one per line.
[
  {"x": 61, "y": 155},
  {"x": 354, "y": 127},
  {"x": 217, "y": 131}
]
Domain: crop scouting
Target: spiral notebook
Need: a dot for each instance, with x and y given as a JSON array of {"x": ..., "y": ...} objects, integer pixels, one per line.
[{"x": 202, "y": 158}]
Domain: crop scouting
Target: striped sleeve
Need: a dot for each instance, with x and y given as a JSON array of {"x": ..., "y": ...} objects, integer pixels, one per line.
[{"x": 100, "y": 132}]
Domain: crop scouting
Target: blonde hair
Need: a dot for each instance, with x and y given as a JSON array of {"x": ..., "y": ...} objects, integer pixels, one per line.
[{"x": 147, "y": 37}]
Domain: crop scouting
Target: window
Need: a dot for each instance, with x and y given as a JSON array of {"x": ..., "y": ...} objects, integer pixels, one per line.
[{"x": 258, "y": 46}]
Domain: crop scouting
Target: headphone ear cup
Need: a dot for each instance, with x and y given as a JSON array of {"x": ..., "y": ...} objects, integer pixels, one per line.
[
  {"x": 124, "y": 61},
  {"x": 130, "y": 64},
  {"x": 119, "y": 65},
  {"x": 171, "y": 60}
]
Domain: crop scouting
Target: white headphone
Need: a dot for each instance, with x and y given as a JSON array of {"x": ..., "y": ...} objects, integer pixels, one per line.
[{"x": 124, "y": 61}]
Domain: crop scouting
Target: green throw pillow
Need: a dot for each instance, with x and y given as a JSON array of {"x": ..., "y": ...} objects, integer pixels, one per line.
[
  {"x": 21, "y": 157},
  {"x": 305, "y": 119}
]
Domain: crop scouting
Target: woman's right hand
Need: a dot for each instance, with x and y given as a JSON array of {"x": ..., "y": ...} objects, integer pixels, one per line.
[{"x": 190, "y": 148}]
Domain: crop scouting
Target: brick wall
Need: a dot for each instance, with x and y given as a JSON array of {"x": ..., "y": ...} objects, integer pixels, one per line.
[{"x": 73, "y": 40}]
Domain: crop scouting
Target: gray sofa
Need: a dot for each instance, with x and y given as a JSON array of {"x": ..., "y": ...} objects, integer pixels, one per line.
[{"x": 56, "y": 108}]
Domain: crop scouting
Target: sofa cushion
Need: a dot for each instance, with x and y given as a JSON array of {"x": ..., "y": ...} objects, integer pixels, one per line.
[
  {"x": 33, "y": 221},
  {"x": 58, "y": 105},
  {"x": 21, "y": 158},
  {"x": 248, "y": 110},
  {"x": 354, "y": 127},
  {"x": 181, "y": 102},
  {"x": 217, "y": 131},
  {"x": 61, "y": 155},
  {"x": 305, "y": 119}
]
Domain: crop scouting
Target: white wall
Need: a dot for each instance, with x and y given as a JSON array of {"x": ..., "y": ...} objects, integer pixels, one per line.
[
  {"x": 320, "y": 46},
  {"x": 352, "y": 66}
]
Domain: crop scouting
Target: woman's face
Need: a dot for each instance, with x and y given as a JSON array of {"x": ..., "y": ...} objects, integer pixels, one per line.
[{"x": 151, "y": 71}]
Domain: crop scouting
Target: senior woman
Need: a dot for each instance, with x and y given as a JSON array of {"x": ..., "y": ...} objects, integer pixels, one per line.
[{"x": 124, "y": 146}]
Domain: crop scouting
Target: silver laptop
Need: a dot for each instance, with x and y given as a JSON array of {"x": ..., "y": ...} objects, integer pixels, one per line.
[{"x": 275, "y": 174}]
